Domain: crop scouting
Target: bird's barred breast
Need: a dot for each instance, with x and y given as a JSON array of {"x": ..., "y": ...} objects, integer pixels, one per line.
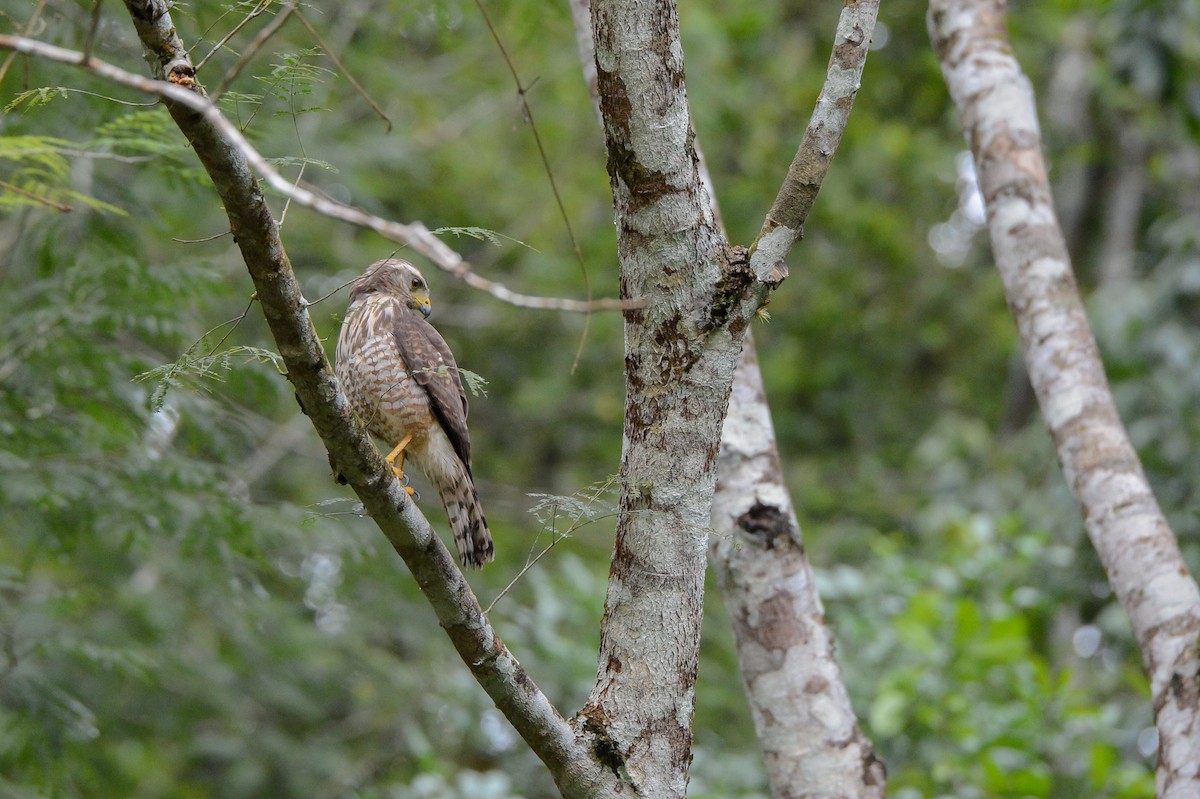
[{"x": 380, "y": 390}]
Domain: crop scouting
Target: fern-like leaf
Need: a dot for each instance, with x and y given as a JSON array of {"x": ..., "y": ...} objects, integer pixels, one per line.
[
  {"x": 193, "y": 369},
  {"x": 483, "y": 234}
]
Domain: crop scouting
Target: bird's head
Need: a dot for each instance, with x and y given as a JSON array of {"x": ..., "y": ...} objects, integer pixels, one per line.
[{"x": 394, "y": 278}]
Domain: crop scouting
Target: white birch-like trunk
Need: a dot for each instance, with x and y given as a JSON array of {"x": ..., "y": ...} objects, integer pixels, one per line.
[
  {"x": 1123, "y": 520},
  {"x": 811, "y": 742}
]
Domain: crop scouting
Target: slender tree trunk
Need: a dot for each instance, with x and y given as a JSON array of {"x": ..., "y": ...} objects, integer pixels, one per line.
[
  {"x": 808, "y": 733},
  {"x": 1123, "y": 520}
]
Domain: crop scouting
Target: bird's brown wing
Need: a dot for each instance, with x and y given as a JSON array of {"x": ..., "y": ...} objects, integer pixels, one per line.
[{"x": 432, "y": 366}]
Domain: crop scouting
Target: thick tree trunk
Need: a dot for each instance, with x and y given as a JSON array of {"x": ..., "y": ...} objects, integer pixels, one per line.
[
  {"x": 681, "y": 349},
  {"x": 806, "y": 728},
  {"x": 677, "y": 382},
  {"x": 1123, "y": 520}
]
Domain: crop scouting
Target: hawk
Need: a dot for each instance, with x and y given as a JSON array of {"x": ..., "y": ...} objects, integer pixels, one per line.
[{"x": 403, "y": 383}]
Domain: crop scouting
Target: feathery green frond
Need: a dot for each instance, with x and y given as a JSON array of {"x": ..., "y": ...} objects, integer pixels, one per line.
[{"x": 192, "y": 369}]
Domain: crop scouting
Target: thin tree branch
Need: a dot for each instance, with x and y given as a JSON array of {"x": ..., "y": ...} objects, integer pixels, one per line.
[
  {"x": 1126, "y": 526},
  {"x": 37, "y": 198},
  {"x": 93, "y": 25},
  {"x": 784, "y": 224},
  {"x": 414, "y": 235},
  {"x": 522, "y": 93},
  {"x": 29, "y": 26},
  {"x": 216, "y": 48},
  {"x": 577, "y": 771}
]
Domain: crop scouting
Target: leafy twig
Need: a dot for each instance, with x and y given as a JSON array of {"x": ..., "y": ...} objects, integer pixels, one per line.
[
  {"x": 35, "y": 197},
  {"x": 260, "y": 41},
  {"x": 546, "y": 510}
]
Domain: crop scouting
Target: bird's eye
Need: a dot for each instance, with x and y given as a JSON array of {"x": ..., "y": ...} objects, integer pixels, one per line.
[{"x": 416, "y": 282}]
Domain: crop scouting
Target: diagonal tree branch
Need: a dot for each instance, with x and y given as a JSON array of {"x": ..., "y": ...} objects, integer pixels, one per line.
[
  {"x": 180, "y": 78},
  {"x": 784, "y": 224},
  {"x": 576, "y": 770},
  {"x": 1126, "y": 526}
]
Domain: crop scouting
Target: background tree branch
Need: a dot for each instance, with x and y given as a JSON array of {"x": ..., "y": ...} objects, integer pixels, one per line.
[
  {"x": 413, "y": 235},
  {"x": 784, "y": 223},
  {"x": 1137, "y": 547},
  {"x": 811, "y": 741}
]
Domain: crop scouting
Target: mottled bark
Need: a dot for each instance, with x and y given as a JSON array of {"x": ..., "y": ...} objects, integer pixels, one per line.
[
  {"x": 1123, "y": 520},
  {"x": 810, "y": 738},
  {"x": 681, "y": 349},
  {"x": 807, "y": 730}
]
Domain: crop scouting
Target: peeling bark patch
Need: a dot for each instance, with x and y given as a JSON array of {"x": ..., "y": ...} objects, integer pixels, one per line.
[
  {"x": 645, "y": 186},
  {"x": 779, "y": 628},
  {"x": 595, "y": 723},
  {"x": 846, "y": 53},
  {"x": 182, "y": 74},
  {"x": 730, "y": 291},
  {"x": 678, "y": 354},
  {"x": 766, "y": 523}
]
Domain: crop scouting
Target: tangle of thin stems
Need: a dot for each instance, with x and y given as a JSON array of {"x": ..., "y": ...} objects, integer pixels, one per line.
[
  {"x": 259, "y": 42},
  {"x": 342, "y": 67},
  {"x": 33, "y": 20}
]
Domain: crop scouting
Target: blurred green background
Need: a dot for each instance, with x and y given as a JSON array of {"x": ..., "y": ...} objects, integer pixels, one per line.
[{"x": 190, "y": 607}]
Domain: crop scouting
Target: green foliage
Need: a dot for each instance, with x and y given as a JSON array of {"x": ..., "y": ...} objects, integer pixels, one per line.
[
  {"x": 970, "y": 702},
  {"x": 35, "y": 98},
  {"x": 40, "y": 175},
  {"x": 490, "y": 236},
  {"x": 190, "y": 605},
  {"x": 197, "y": 368},
  {"x": 294, "y": 78}
]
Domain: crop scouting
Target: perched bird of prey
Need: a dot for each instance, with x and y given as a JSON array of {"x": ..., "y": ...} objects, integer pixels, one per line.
[{"x": 404, "y": 385}]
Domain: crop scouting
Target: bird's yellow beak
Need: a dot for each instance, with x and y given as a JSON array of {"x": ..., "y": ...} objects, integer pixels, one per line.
[{"x": 424, "y": 306}]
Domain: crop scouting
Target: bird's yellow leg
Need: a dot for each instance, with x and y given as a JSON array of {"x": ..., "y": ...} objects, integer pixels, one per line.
[{"x": 398, "y": 452}]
